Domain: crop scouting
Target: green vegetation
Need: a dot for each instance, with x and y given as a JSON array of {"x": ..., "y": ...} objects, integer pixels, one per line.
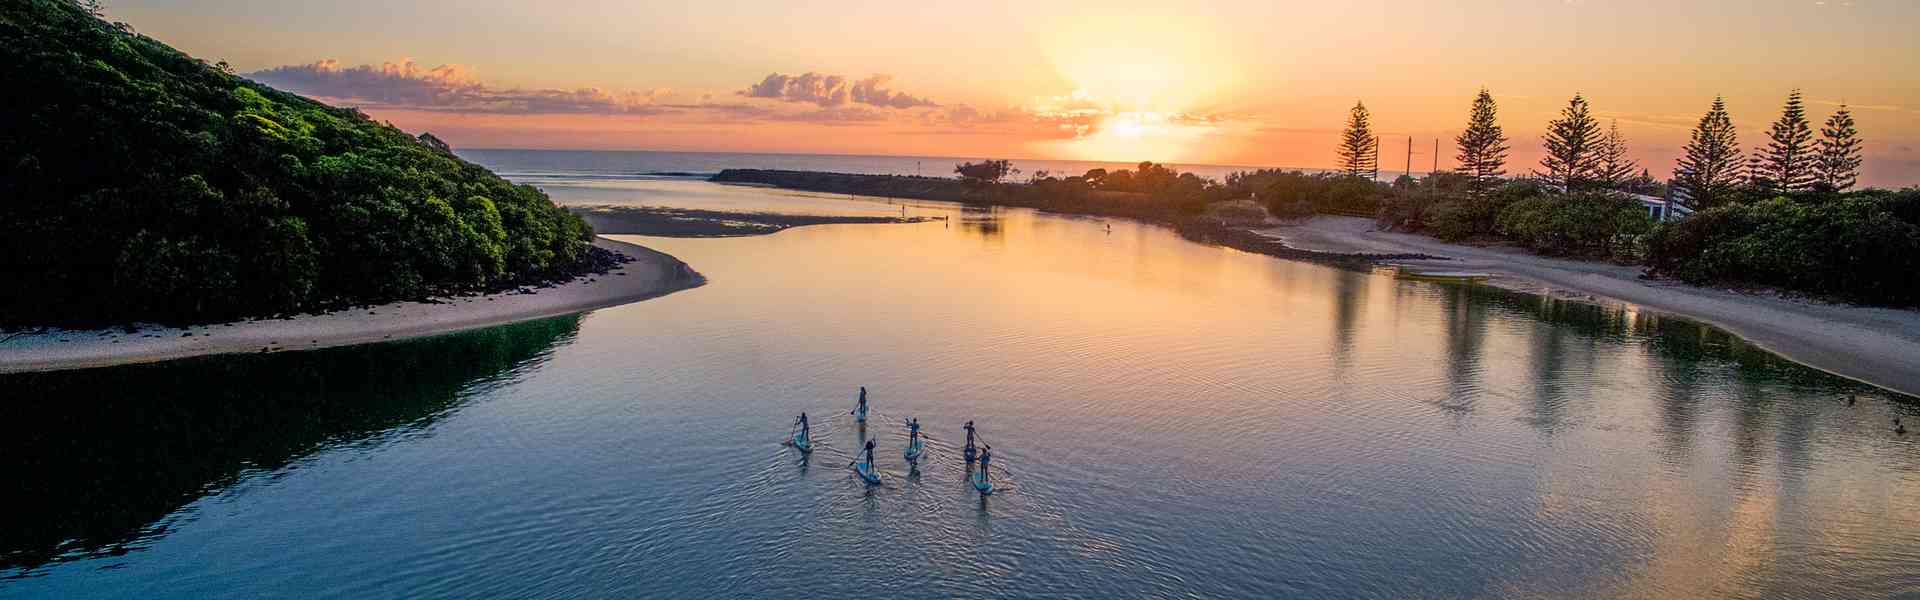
[
  {"x": 1838, "y": 165},
  {"x": 138, "y": 183},
  {"x": 1573, "y": 146},
  {"x": 1709, "y": 172},
  {"x": 1359, "y": 147},
  {"x": 1863, "y": 246},
  {"x": 1787, "y": 164},
  {"x": 1582, "y": 224},
  {"x": 1613, "y": 170},
  {"x": 986, "y": 171},
  {"x": 1483, "y": 146}
]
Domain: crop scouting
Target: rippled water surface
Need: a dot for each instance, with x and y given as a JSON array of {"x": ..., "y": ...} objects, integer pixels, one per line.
[{"x": 1174, "y": 420}]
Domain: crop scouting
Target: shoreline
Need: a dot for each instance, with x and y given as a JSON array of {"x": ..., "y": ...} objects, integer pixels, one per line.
[
  {"x": 651, "y": 274},
  {"x": 1867, "y": 344},
  {"x": 1872, "y": 345}
]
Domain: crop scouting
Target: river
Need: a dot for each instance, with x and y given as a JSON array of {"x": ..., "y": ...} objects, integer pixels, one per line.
[{"x": 1169, "y": 419}]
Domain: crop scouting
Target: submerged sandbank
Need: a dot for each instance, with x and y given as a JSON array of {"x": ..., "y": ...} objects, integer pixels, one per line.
[
  {"x": 650, "y": 274},
  {"x": 688, "y": 222},
  {"x": 1869, "y": 344}
]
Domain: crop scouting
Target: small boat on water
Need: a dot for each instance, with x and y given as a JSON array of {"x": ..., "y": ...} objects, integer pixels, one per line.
[{"x": 1416, "y": 274}]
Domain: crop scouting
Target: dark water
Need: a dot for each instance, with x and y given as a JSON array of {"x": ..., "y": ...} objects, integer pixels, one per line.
[{"x": 1174, "y": 420}]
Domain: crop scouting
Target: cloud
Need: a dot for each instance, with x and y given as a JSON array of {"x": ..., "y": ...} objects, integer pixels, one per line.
[
  {"x": 449, "y": 88},
  {"x": 832, "y": 90},
  {"x": 1885, "y": 107},
  {"x": 873, "y": 90}
]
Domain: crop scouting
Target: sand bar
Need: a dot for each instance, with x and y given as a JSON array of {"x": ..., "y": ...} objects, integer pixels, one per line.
[
  {"x": 651, "y": 274},
  {"x": 1880, "y": 346}
]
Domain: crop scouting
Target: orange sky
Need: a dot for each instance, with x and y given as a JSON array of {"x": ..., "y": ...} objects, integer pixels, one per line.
[{"x": 1255, "y": 83}]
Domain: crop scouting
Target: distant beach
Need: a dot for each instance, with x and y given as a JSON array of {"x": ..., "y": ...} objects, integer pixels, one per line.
[
  {"x": 651, "y": 274},
  {"x": 1870, "y": 344}
]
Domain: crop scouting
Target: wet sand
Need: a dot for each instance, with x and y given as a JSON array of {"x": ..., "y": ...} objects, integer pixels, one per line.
[
  {"x": 1880, "y": 346},
  {"x": 651, "y": 274}
]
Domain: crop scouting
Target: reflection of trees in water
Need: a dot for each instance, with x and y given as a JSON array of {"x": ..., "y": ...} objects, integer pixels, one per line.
[
  {"x": 984, "y": 221},
  {"x": 97, "y": 459},
  {"x": 1348, "y": 287},
  {"x": 1684, "y": 355},
  {"x": 1466, "y": 324},
  {"x": 1680, "y": 379}
]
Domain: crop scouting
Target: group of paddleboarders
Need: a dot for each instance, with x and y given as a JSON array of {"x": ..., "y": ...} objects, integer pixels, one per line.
[{"x": 916, "y": 447}]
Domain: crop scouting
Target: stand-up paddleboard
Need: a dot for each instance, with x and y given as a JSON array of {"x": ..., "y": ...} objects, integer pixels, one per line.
[
  {"x": 867, "y": 473},
  {"x": 916, "y": 449},
  {"x": 981, "y": 484},
  {"x": 860, "y": 410},
  {"x": 801, "y": 441}
]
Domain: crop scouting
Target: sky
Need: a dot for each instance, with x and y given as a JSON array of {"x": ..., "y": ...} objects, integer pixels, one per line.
[{"x": 1241, "y": 83}]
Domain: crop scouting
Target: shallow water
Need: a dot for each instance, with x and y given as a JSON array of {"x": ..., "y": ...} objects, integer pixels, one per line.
[{"x": 1168, "y": 419}]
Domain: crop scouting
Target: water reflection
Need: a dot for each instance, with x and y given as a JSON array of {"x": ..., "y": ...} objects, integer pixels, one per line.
[
  {"x": 982, "y": 221},
  {"x": 1180, "y": 419},
  {"x": 97, "y": 460},
  {"x": 1466, "y": 336}
]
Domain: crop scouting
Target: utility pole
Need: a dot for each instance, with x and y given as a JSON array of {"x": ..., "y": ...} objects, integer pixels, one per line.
[
  {"x": 1436, "y": 157},
  {"x": 1409, "y": 172}
]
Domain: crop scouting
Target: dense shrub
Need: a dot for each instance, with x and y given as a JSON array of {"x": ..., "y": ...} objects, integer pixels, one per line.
[
  {"x": 137, "y": 183},
  {"x": 1284, "y": 191},
  {"x": 1446, "y": 206},
  {"x": 1858, "y": 247},
  {"x": 1583, "y": 224}
]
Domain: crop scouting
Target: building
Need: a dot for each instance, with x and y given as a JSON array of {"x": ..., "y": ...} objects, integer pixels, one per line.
[{"x": 1663, "y": 209}]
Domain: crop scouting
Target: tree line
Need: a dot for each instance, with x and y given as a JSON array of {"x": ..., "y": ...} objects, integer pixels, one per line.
[
  {"x": 1786, "y": 216},
  {"x": 1580, "y": 155}
]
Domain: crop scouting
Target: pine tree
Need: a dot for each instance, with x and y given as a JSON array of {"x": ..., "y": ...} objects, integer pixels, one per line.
[
  {"x": 1787, "y": 165},
  {"x": 1359, "y": 148},
  {"x": 1710, "y": 171},
  {"x": 1573, "y": 144},
  {"x": 1615, "y": 168},
  {"x": 1483, "y": 146},
  {"x": 1838, "y": 165}
]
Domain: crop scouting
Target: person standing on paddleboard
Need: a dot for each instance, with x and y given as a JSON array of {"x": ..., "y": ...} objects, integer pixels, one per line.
[
  {"x": 869, "y": 460},
  {"x": 986, "y": 456},
  {"x": 969, "y": 450},
  {"x": 806, "y": 433},
  {"x": 860, "y": 412}
]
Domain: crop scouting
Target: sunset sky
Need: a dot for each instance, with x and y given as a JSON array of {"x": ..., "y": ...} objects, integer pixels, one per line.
[{"x": 1246, "y": 83}]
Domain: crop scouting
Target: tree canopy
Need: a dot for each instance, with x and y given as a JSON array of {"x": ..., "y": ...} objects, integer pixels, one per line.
[
  {"x": 1359, "y": 148},
  {"x": 1483, "y": 146},
  {"x": 1837, "y": 167},
  {"x": 138, "y": 183},
  {"x": 1573, "y": 145},
  {"x": 1787, "y": 164},
  {"x": 1709, "y": 172},
  {"x": 986, "y": 171}
]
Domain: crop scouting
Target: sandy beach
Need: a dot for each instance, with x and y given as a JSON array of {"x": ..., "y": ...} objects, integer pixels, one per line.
[
  {"x": 651, "y": 274},
  {"x": 1879, "y": 346}
]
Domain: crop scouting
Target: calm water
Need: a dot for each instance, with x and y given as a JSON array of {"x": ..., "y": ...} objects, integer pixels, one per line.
[
  {"x": 588, "y": 167},
  {"x": 1175, "y": 420}
]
